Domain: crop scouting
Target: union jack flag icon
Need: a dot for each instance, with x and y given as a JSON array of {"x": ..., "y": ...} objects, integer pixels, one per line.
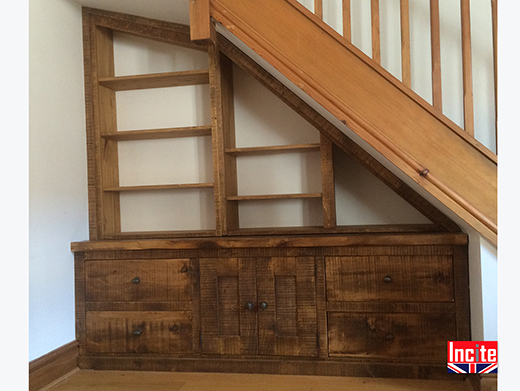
[{"x": 472, "y": 368}]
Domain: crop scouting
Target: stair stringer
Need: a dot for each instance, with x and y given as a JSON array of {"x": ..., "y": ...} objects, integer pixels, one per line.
[{"x": 427, "y": 147}]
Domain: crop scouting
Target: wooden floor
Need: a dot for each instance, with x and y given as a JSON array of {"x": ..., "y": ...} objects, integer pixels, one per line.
[{"x": 84, "y": 380}]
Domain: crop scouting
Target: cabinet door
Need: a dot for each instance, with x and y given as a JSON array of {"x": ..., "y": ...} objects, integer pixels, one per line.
[
  {"x": 287, "y": 321},
  {"x": 227, "y": 285}
]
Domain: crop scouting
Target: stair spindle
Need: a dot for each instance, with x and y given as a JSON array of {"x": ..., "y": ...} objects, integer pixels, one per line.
[
  {"x": 466, "y": 67},
  {"x": 436, "y": 55},
  {"x": 318, "y": 8},
  {"x": 405, "y": 44},
  {"x": 347, "y": 26},
  {"x": 376, "y": 39}
]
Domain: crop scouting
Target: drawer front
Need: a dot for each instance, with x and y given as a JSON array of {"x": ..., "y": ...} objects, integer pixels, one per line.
[
  {"x": 139, "y": 332},
  {"x": 390, "y": 335},
  {"x": 130, "y": 280},
  {"x": 390, "y": 278}
]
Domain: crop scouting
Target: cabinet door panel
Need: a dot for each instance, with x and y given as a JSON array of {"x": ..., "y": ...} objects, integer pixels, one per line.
[
  {"x": 287, "y": 326},
  {"x": 227, "y": 285}
]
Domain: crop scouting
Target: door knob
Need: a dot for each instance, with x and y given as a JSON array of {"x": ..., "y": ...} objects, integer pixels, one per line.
[
  {"x": 250, "y": 306},
  {"x": 263, "y": 306}
]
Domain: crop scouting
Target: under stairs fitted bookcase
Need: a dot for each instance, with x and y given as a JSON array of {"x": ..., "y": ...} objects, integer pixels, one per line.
[{"x": 210, "y": 291}]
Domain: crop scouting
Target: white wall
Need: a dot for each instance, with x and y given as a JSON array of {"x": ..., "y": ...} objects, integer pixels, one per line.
[{"x": 57, "y": 170}]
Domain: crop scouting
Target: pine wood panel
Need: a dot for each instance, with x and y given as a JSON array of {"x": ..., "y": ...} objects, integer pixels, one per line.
[
  {"x": 155, "y": 80},
  {"x": 139, "y": 332},
  {"x": 200, "y": 24},
  {"x": 288, "y": 326},
  {"x": 376, "y": 37},
  {"x": 347, "y": 25},
  {"x": 385, "y": 335},
  {"x": 159, "y": 280},
  {"x": 461, "y": 174},
  {"x": 390, "y": 278}
]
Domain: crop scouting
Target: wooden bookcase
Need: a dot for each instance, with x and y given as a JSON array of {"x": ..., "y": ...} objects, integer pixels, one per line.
[{"x": 103, "y": 134}]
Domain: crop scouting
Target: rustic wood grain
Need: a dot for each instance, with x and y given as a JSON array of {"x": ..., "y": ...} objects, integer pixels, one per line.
[
  {"x": 159, "y": 280},
  {"x": 328, "y": 191},
  {"x": 155, "y": 134},
  {"x": 461, "y": 287},
  {"x": 155, "y": 80},
  {"x": 408, "y": 278},
  {"x": 159, "y": 332},
  {"x": 387, "y": 335}
]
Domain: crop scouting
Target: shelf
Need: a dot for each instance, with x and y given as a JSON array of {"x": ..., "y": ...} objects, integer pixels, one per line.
[
  {"x": 272, "y": 149},
  {"x": 273, "y": 196},
  {"x": 153, "y": 134},
  {"x": 155, "y": 80},
  {"x": 161, "y": 187}
]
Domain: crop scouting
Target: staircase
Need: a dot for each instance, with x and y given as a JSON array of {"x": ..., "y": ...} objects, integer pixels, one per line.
[{"x": 414, "y": 135}]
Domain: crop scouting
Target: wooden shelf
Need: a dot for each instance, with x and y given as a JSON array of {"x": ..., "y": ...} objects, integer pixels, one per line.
[
  {"x": 157, "y": 235},
  {"x": 153, "y": 134},
  {"x": 155, "y": 80},
  {"x": 161, "y": 187},
  {"x": 272, "y": 149},
  {"x": 273, "y": 196}
]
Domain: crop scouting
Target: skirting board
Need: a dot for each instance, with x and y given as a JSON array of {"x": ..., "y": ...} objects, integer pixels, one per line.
[{"x": 50, "y": 367}]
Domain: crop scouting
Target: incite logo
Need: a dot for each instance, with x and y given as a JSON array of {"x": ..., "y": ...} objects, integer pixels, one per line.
[{"x": 472, "y": 357}]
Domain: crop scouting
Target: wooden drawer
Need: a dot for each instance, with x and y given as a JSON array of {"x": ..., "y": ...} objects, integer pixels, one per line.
[
  {"x": 390, "y": 278},
  {"x": 421, "y": 336},
  {"x": 139, "y": 332},
  {"x": 142, "y": 280}
]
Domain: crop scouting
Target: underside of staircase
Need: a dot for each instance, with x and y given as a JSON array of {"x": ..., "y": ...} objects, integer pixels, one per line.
[{"x": 429, "y": 148}]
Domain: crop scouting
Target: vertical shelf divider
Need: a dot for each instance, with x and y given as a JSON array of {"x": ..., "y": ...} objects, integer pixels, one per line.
[
  {"x": 106, "y": 123},
  {"x": 223, "y": 137},
  {"x": 328, "y": 194}
]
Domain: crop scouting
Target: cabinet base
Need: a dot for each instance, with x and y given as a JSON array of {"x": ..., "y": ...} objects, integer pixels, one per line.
[{"x": 277, "y": 367}]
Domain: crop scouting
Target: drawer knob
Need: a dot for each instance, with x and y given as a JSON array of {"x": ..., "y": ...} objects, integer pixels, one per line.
[
  {"x": 390, "y": 337},
  {"x": 175, "y": 328},
  {"x": 136, "y": 280},
  {"x": 250, "y": 306},
  {"x": 137, "y": 332},
  {"x": 387, "y": 279},
  {"x": 184, "y": 269},
  {"x": 263, "y": 306}
]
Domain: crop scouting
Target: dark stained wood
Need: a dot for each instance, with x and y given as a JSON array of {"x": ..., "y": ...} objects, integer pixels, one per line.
[
  {"x": 321, "y": 307},
  {"x": 195, "y": 299},
  {"x": 272, "y": 366},
  {"x": 295, "y": 241},
  {"x": 154, "y": 134},
  {"x": 385, "y": 335},
  {"x": 139, "y": 332},
  {"x": 461, "y": 287},
  {"x": 390, "y": 306},
  {"x": 155, "y": 80},
  {"x": 50, "y": 367},
  {"x": 160, "y": 234},
  {"x": 335, "y": 135},
  {"x": 79, "y": 299},
  {"x": 328, "y": 190},
  {"x": 159, "y": 280},
  {"x": 139, "y": 306},
  {"x": 226, "y": 286},
  {"x": 288, "y": 326},
  {"x": 167, "y": 32},
  {"x": 223, "y": 131},
  {"x": 389, "y": 278}
]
